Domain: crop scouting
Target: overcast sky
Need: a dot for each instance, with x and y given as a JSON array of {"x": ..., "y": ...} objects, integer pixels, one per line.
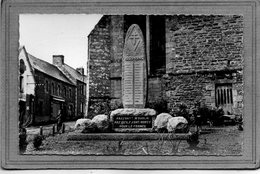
[{"x": 47, "y": 35}]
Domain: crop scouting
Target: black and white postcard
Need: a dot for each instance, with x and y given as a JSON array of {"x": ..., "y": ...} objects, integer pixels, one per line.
[{"x": 130, "y": 84}]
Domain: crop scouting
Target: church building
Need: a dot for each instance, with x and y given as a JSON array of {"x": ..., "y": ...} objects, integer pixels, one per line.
[{"x": 188, "y": 59}]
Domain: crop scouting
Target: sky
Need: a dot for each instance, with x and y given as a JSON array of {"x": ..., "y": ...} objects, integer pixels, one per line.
[{"x": 44, "y": 35}]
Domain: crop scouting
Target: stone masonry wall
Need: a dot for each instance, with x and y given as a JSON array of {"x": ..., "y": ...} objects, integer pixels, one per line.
[
  {"x": 117, "y": 45},
  {"x": 238, "y": 93},
  {"x": 196, "y": 48},
  {"x": 188, "y": 89},
  {"x": 155, "y": 91},
  {"x": 99, "y": 59},
  {"x": 192, "y": 88},
  {"x": 203, "y": 43}
]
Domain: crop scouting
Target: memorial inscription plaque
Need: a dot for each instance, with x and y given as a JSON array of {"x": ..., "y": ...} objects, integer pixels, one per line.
[
  {"x": 132, "y": 122},
  {"x": 133, "y": 119},
  {"x": 134, "y": 69}
]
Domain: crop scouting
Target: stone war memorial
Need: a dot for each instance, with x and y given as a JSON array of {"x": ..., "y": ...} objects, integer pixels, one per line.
[
  {"x": 134, "y": 69},
  {"x": 134, "y": 117}
]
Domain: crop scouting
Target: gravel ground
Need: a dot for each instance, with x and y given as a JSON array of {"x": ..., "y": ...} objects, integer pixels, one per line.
[{"x": 218, "y": 141}]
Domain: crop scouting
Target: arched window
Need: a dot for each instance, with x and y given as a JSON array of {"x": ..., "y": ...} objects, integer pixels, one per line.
[
  {"x": 22, "y": 66},
  {"x": 21, "y": 84}
]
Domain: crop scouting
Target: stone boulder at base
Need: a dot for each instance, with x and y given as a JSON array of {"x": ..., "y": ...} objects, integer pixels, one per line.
[
  {"x": 178, "y": 125},
  {"x": 85, "y": 125},
  {"x": 101, "y": 122},
  {"x": 81, "y": 122},
  {"x": 160, "y": 123}
]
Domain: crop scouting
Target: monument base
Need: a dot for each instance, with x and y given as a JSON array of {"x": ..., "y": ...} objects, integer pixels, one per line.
[
  {"x": 189, "y": 137},
  {"x": 133, "y": 120},
  {"x": 72, "y": 136}
]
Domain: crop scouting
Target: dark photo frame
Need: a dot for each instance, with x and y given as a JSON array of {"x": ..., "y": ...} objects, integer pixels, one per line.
[{"x": 10, "y": 11}]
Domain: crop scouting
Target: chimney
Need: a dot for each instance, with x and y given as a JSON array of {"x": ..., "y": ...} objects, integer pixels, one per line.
[
  {"x": 80, "y": 70},
  {"x": 58, "y": 60}
]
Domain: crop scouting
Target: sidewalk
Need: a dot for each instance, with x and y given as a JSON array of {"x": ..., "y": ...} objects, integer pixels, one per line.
[{"x": 47, "y": 129}]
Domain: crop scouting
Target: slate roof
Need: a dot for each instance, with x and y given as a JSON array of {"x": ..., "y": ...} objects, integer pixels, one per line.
[
  {"x": 48, "y": 69},
  {"x": 75, "y": 73}
]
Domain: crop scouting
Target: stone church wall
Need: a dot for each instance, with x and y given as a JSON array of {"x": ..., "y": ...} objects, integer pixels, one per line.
[
  {"x": 99, "y": 59},
  {"x": 117, "y": 44},
  {"x": 192, "y": 88},
  {"x": 189, "y": 89},
  {"x": 198, "y": 48},
  {"x": 203, "y": 43},
  {"x": 105, "y": 58},
  {"x": 238, "y": 89}
]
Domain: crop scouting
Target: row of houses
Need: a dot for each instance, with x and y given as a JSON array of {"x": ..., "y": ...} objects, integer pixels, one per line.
[{"x": 47, "y": 89}]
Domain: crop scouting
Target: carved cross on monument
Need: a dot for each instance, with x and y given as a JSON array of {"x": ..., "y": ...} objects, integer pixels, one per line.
[{"x": 135, "y": 39}]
